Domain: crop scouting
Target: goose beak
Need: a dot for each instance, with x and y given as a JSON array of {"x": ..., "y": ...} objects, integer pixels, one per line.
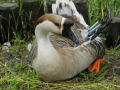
[{"x": 67, "y": 32}]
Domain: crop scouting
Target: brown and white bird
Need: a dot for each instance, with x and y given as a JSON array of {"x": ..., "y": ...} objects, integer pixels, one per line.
[
  {"x": 53, "y": 53},
  {"x": 63, "y": 46}
]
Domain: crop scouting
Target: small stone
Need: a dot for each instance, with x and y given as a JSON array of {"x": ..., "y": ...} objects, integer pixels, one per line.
[{"x": 6, "y": 45}]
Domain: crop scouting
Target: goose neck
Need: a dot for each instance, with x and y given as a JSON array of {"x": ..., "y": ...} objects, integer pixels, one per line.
[{"x": 42, "y": 34}]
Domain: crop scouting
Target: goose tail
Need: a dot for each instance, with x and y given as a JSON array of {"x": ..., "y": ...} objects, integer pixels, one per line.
[
  {"x": 97, "y": 28},
  {"x": 67, "y": 7}
]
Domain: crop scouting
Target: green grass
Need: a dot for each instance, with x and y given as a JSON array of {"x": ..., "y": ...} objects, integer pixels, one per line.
[
  {"x": 103, "y": 9},
  {"x": 15, "y": 74}
]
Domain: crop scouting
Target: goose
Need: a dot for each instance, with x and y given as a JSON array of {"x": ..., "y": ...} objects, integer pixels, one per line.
[{"x": 57, "y": 60}]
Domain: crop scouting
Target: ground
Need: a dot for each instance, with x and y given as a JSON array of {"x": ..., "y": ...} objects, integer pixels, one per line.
[{"x": 16, "y": 74}]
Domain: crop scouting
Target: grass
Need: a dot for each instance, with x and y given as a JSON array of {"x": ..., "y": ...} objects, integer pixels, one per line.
[
  {"x": 15, "y": 74},
  {"x": 103, "y": 9}
]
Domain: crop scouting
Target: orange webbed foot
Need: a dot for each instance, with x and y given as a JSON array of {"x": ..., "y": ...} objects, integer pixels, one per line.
[{"x": 96, "y": 65}]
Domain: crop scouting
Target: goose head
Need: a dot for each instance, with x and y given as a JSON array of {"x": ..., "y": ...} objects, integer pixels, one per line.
[{"x": 55, "y": 24}]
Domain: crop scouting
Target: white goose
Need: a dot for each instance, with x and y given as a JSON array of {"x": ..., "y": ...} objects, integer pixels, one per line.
[{"x": 55, "y": 60}]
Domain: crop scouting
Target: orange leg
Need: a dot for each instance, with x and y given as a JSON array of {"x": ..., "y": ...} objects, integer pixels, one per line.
[{"x": 96, "y": 65}]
